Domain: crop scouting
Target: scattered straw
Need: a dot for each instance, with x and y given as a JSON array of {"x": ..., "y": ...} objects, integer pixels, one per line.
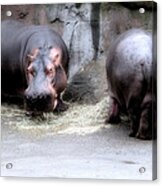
[{"x": 79, "y": 118}]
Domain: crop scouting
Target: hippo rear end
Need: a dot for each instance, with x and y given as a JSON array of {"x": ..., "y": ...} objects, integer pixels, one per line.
[{"x": 130, "y": 79}]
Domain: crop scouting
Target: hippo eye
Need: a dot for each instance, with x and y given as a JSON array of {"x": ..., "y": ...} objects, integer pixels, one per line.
[
  {"x": 50, "y": 72},
  {"x": 55, "y": 60}
]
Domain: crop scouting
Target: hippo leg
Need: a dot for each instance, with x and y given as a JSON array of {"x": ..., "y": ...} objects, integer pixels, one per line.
[
  {"x": 61, "y": 106},
  {"x": 144, "y": 131},
  {"x": 114, "y": 115},
  {"x": 134, "y": 117},
  {"x": 146, "y": 119}
]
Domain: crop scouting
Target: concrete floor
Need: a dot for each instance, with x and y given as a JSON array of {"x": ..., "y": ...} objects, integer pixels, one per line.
[{"x": 108, "y": 153}]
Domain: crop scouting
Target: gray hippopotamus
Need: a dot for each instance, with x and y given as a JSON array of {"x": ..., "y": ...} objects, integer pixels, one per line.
[
  {"x": 34, "y": 65},
  {"x": 130, "y": 80}
]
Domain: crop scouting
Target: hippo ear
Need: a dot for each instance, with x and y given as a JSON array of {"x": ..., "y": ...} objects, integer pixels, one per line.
[
  {"x": 55, "y": 55},
  {"x": 30, "y": 58}
]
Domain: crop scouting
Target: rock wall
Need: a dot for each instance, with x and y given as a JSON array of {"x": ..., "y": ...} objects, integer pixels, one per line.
[{"x": 88, "y": 30}]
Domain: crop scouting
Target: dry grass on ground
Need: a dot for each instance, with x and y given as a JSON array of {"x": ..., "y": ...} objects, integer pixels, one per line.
[{"x": 79, "y": 118}]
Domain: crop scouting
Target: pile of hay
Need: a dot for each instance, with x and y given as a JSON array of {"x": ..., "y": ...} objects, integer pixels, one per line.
[{"x": 78, "y": 119}]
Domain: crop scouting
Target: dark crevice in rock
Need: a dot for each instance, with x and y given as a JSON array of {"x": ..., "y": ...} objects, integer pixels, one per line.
[
  {"x": 135, "y": 5},
  {"x": 78, "y": 5},
  {"x": 71, "y": 39},
  {"x": 95, "y": 26},
  {"x": 22, "y": 15},
  {"x": 56, "y": 20}
]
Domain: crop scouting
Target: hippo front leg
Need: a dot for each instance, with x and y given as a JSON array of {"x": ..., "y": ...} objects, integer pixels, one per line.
[
  {"x": 145, "y": 130},
  {"x": 146, "y": 119},
  {"x": 61, "y": 106},
  {"x": 114, "y": 114},
  {"x": 60, "y": 85}
]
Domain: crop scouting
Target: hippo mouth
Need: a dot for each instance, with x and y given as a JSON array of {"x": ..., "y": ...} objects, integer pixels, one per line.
[{"x": 39, "y": 106}]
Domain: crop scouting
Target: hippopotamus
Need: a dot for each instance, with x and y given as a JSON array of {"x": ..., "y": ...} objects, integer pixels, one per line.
[
  {"x": 34, "y": 65},
  {"x": 130, "y": 81}
]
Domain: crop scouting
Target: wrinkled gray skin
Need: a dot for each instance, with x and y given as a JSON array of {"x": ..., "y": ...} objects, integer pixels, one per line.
[
  {"x": 129, "y": 75},
  {"x": 18, "y": 42}
]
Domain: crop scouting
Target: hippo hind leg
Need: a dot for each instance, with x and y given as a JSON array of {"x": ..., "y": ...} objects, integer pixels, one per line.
[
  {"x": 134, "y": 116},
  {"x": 114, "y": 114}
]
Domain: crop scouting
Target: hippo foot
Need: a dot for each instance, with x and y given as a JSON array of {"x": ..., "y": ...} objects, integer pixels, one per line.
[
  {"x": 132, "y": 134},
  {"x": 113, "y": 120},
  {"x": 61, "y": 107},
  {"x": 143, "y": 137},
  {"x": 33, "y": 114}
]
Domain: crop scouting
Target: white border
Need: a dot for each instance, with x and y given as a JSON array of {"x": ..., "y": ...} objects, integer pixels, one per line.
[{"x": 70, "y": 182}]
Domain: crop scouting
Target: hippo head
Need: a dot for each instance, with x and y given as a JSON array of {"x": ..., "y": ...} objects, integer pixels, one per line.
[{"x": 41, "y": 71}]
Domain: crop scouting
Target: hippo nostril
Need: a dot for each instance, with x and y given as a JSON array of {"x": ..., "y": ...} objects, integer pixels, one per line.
[
  {"x": 40, "y": 96},
  {"x": 27, "y": 97},
  {"x": 48, "y": 96},
  {"x": 30, "y": 99}
]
